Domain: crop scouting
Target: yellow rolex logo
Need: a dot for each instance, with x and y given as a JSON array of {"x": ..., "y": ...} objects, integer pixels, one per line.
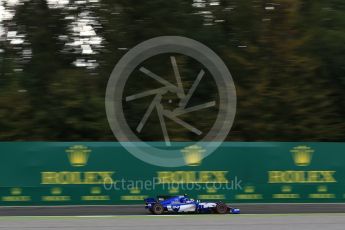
[
  {"x": 322, "y": 188},
  {"x": 249, "y": 189},
  {"x": 96, "y": 190},
  {"x": 193, "y": 155},
  {"x": 16, "y": 191},
  {"x": 56, "y": 191},
  {"x": 286, "y": 188},
  {"x": 302, "y": 155},
  {"x": 78, "y": 155}
]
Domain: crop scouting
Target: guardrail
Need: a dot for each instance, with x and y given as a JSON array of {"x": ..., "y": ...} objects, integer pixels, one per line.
[{"x": 104, "y": 173}]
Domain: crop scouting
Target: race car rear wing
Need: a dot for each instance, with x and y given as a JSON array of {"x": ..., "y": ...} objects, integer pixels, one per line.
[
  {"x": 150, "y": 200},
  {"x": 163, "y": 197}
]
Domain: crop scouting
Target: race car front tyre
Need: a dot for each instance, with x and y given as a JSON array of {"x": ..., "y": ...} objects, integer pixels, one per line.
[
  {"x": 221, "y": 208},
  {"x": 157, "y": 209}
]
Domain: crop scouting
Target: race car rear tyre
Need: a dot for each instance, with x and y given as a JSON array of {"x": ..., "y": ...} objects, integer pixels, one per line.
[
  {"x": 221, "y": 208},
  {"x": 157, "y": 209}
]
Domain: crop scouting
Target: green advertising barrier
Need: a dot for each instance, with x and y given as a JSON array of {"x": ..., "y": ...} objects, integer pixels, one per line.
[{"x": 102, "y": 173}]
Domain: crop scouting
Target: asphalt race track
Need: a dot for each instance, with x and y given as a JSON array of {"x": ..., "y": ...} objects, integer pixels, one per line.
[
  {"x": 139, "y": 209},
  {"x": 200, "y": 222},
  {"x": 255, "y": 216}
]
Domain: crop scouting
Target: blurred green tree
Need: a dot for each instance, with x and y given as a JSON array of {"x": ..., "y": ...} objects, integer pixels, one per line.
[{"x": 286, "y": 57}]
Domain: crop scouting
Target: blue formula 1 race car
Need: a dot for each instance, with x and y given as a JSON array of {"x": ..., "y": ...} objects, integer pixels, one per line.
[{"x": 183, "y": 204}]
